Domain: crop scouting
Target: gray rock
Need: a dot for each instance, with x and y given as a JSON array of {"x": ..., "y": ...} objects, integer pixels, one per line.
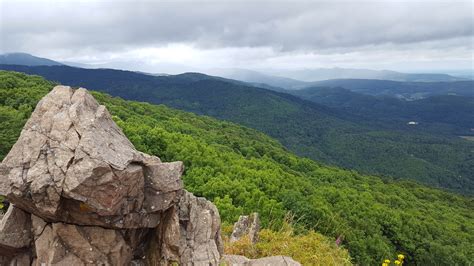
[
  {"x": 190, "y": 234},
  {"x": 73, "y": 164},
  {"x": 83, "y": 195},
  {"x": 18, "y": 259},
  {"x": 274, "y": 261},
  {"x": 15, "y": 237},
  {"x": 63, "y": 244},
  {"x": 246, "y": 225},
  {"x": 15, "y": 231},
  {"x": 237, "y": 260}
]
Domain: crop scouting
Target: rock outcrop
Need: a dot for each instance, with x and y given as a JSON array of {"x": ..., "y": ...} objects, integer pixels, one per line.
[
  {"x": 246, "y": 225},
  {"x": 82, "y": 194},
  {"x": 15, "y": 237},
  {"x": 67, "y": 244},
  {"x": 73, "y": 164},
  {"x": 190, "y": 234},
  {"x": 15, "y": 233},
  {"x": 236, "y": 260}
]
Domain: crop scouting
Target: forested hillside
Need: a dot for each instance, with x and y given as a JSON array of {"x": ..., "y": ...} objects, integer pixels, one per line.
[
  {"x": 439, "y": 114},
  {"x": 407, "y": 90},
  {"x": 243, "y": 170},
  {"x": 306, "y": 128}
]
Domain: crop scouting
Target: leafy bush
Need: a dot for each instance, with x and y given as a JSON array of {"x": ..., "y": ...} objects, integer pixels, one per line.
[{"x": 309, "y": 248}]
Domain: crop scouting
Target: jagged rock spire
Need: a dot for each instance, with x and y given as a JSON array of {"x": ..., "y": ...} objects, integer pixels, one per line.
[
  {"x": 81, "y": 194},
  {"x": 72, "y": 163}
]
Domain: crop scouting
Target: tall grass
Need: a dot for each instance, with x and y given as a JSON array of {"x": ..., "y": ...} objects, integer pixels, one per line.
[{"x": 306, "y": 247}]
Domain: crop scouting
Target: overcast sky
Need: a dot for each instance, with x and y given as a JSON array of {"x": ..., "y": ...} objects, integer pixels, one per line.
[{"x": 157, "y": 35}]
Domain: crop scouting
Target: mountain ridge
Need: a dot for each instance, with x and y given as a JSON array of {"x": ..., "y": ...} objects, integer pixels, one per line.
[
  {"x": 403, "y": 90},
  {"x": 433, "y": 112},
  {"x": 311, "y": 75},
  {"x": 242, "y": 170},
  {"x": 307, "y": 128},
  {"x": 26, "y": 59},
  {"x": 287, "y": 79}
]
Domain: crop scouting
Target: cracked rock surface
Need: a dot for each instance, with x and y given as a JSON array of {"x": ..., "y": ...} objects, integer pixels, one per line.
[
  {"x": 65, "y": 244},
  {"x": 190, "y": 234},
  {"x": 246, "y": 225},
  {"x": 73, "y": 164},
  {"x": 81, "y": 194}
]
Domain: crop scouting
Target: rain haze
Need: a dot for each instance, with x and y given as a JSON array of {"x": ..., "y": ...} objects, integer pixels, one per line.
[{"x": 179, "y": 36}]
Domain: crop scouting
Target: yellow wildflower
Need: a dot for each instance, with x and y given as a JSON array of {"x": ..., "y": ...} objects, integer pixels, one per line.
[
  {"x": 397, "y": 262},
  {"x": 400, "y": 257},
  {"x": 387, "y": 261}
]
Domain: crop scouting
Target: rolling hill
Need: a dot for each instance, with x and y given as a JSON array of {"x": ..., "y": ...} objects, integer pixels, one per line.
[
  {"x": 26, "y": 60},
  {"x": 438, "y": 114},
  {"x": 242, "y": 170},
  {"x": 403, "y": 90},
  {"x": 297, "y": 79},
  {"x": 258, "y": 78},
  {"x": 318, "y": 74},
  {"x": 309, "y": 129}
]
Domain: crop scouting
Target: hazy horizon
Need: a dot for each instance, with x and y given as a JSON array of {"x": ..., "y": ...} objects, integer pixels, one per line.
[{"x": 180, "y": 36}]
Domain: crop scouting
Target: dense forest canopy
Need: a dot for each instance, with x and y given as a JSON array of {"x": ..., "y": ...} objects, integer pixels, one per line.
[
  {"x": 438, "y": 114},
  {"x": 306, "y": 128},
  {"x": 242, "y": 170}
]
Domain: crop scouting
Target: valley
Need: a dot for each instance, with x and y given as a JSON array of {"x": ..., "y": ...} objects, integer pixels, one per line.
[
  {"x": 237, "y": 133},
  {"x": 345, "y": 138},
  {"x": 242, "y": 170}
]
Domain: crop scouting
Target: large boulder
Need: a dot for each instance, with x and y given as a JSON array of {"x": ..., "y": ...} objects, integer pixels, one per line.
[
  {"x": 64, "y": 244},
  {"x": 82, "y": 195},
  {"x": 247, "y": 225},
  {"x": 190, "y": 234},
  {"x": 15, "y": 231},
  {"x": 231, "y": 260},
  {"x": 73, "y": 164},
  {"x": 20, "y": 259},
  {"x": 237, "y": 260},
  {"x": 15, "y": 237}
]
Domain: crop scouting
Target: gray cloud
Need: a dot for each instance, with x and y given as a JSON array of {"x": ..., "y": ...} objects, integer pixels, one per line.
[{"x": 91, "y": 28}]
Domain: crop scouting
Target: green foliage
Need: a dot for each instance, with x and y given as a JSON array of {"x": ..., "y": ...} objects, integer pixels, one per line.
[
  {"x": 2, "y": 206},
  {"x": 437, "y": 114},
  {"x": 18, "y": 97},
  {"x": 321, "y": 133},
  {"x": 244, "y": 171},
  {"x": 309, "y": 248}
]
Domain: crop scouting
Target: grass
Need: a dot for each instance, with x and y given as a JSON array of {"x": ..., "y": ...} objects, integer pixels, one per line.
[{"x": 308, "y": 248}]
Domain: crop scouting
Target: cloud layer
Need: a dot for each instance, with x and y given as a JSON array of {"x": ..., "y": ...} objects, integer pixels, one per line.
[{"x": 241, "y": 31}]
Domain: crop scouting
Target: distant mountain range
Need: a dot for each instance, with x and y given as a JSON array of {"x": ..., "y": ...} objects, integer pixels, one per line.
[
  {"x": 272, "y": 79},
  {"x": 402, "y": 90},
  {"x": 297, "y": 79},
  {"x": 310, "y": 75},
  {"x": 258, "y": 78},
  {"x": 25, "y": 59},
  {"x": 323, "y": 133}
]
